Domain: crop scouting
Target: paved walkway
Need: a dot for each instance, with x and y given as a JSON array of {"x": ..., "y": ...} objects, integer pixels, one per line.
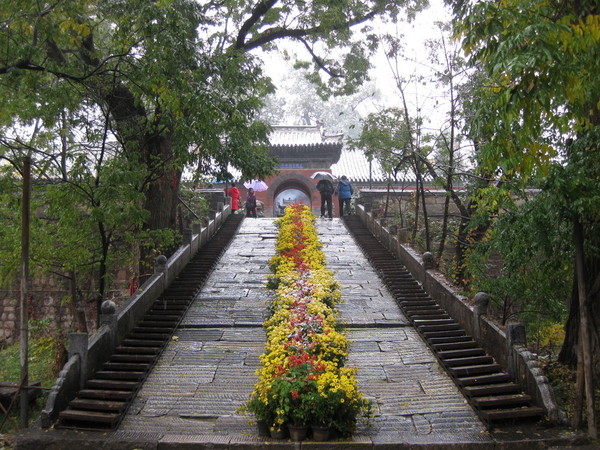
[{"x": 207, "y": 371}]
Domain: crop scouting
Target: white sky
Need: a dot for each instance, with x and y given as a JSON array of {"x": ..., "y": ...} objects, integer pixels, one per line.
[{"x": 415, "y": 34}]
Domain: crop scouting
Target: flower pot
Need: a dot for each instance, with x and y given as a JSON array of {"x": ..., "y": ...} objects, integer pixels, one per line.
[
  {"x": 278, "y": 433},
  {"x": 263, "y": 428},
  {"x": 298, "y": 433},
  {"x": 320, "y": 433}
]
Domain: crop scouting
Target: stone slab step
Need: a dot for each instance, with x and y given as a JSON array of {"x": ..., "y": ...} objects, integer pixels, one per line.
[
  {"x": 493, "y": 415},
  {"x": 119, "y": 375},
  {"x": 158, "y": 323},
  {"x": 153, "y": 330},
  {"x": 89, "y": 416},
  {"x": 494, "y": 401},
  {"x": 449, "y": 339},
  {"x": 149, "y": 336},
  {"x": 484, "y": 379},
  {"x": 492, "y": 389},
  {"x": 423, "y": 322},
  {"x": 443, "y": 334},
  {"x": 97, "y": 405},
  {"x": 128, "y": 342},
  {"x": 478, "y": 369},
  {"x": 137, "y": 367},
  {"x": 132, "y": 358},
  {"x": 137, "y": 350},
  {"x": 465, "y": 344},
  {"x": 118, "y": 385},
  {"x": 105, "y": 394},
  {"x": 461, "y": 353},
  {"x": 444, "y": 327},
  {"x": 469, "y": 361}
]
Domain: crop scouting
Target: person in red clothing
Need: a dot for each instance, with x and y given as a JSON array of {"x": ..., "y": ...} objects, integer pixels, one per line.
[{"x": 234, "y": 193}]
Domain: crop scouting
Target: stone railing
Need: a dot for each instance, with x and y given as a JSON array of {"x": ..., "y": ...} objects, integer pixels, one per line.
[
  {"x": 88, "y": 353},
  {"x": 507, "y": 348}
]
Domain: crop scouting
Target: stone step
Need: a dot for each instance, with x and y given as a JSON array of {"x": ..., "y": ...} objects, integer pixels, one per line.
[
  {"x": 465, "y": 344},
  {"x": 97, "y": 405},
  {"x": 132, "y": 358},
  {"x": 119, "y": 375},
  {"x": 137, "y": 350},
  {"x": 493, "y": 378},
  {"x": 449, "y": 339},
  {"x": 479, "y": 369},
  {"x": 492, "y": 389},
  {"x": 501, "y": 400},
  {"x": 114, "y": 366},
  {"x": 492, "y": 415},
  {"x": 119, "y": 385},
  {"x": 469, "y": 361},
  {"x": 142, "y": 343},
  {"x": 443, "y": 327},
  {"x": 105, "y": 394},
  {"x": 461, "y": 353},
  {"x": 90, "y": 416}
]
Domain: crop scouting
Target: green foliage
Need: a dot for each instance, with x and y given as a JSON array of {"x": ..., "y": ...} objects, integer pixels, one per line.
[
  {"x": 525, "y": 263},
  {"x": 42, "y": 354},
  {"x": 542, "y": 64}
]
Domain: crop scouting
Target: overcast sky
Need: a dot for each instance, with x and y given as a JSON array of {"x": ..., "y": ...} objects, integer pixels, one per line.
[{"x": 414, "y": 36}]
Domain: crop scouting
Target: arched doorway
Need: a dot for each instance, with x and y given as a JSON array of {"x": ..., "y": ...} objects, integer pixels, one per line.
[{"x": 290, "y": 192}]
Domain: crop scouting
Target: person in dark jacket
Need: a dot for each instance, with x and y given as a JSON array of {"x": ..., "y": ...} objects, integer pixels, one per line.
[
  {"x": 344, "y": 192},
  {"x": 325, "y": 187},
  {"x": 251, "y": 204}
]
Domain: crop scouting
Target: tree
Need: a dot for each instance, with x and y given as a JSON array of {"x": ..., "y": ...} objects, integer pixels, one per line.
[
  {"x": 542, "y": 60},
  {"x": 174, "y": 75},
  {"x": 87, "y": 211},
  {"x": 426, "y": 143}
]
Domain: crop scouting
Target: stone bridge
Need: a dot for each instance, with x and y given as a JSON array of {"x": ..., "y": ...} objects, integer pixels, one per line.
[{"x": 191, "y": 398}]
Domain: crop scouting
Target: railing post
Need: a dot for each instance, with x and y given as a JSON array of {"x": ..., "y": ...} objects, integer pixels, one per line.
[
  {"x": 78, "y": 345},
  {"x": 160, "y": 266},
  {"x": 196, "y": 227},
  {"x": 482, "y": 300},
  {"x": 515, "y": 335},
  {"x": 109, "y": 318},
  {"x": 428, "y": 261}
]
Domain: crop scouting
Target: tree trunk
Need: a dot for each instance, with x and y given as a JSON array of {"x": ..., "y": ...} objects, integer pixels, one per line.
[
  {"x": 585, "y": 341},
  {"x": 568, "y": 352}
]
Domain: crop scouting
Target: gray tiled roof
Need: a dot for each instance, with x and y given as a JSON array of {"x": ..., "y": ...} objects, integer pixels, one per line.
[
  {"x": 301, "y": 135},
  {"x": 354, "y": 164}
]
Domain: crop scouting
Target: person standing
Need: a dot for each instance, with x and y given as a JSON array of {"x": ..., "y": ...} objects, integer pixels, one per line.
[
  {"x": 344, "y": 192},
  {"x": 251, "y": 204},
  {"x": 234, "y": 193},
  {"x": 325, "y": 187}
]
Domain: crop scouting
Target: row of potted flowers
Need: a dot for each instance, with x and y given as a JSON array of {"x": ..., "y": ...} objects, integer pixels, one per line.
[{"x": 303, "y": 380}]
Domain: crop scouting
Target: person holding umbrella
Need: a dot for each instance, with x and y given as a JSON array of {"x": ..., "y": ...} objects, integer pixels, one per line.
[
  {"x": 325, "y": 188},
  {"x": 344, "y": 192},
  {"x": 251, "y": 204}
]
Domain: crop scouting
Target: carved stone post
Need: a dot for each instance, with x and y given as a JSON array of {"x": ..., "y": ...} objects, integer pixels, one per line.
[
  {"x": 160, "y": 266},
  {"x": 78, "y": 345},
  {"x": 109, "y": 318},
  {"x": 428, "y": 262},
  {"x": 482, "y": 300}
]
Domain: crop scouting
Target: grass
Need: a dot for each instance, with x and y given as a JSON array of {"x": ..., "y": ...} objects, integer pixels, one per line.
[{"x": 45, "y": 358}]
